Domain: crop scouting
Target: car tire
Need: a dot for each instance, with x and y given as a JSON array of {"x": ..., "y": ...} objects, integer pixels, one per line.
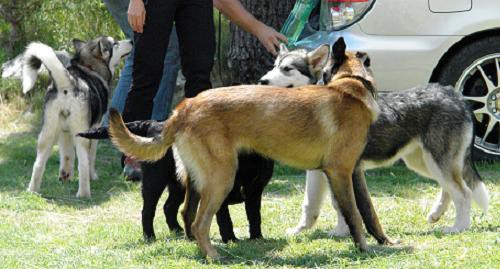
[{"x": 461, "y": 70}]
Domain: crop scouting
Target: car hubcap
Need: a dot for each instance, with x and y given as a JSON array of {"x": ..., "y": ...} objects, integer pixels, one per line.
[{"x": 480, "y": 84}]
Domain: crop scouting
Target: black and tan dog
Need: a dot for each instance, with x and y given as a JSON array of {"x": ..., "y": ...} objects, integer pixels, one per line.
[{"x": 309, "y": 127}]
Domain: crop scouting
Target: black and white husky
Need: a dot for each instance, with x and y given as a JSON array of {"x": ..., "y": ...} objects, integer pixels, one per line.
[
  {"x": 429, "y": 127},
  {"x": 75, "y": 101}
]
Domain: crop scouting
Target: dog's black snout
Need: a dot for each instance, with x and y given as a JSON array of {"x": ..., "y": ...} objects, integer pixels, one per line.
[{"x": 264, "y": 82}]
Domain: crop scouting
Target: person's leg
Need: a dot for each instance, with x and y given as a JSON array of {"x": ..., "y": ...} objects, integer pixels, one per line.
[
  {"x": 163, "y": 99},
  {"x": 118, "y": 9},
  {"x": 195, "y": 28},
  {"x": 149, "y": 54}
]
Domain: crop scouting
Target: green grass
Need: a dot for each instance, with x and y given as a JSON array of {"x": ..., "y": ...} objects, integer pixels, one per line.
[{"x": 56, "y": 230}]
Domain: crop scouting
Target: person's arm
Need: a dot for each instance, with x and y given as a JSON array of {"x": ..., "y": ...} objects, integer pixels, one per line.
[
  {"x": 136, "y": 15},
  {"x": 237, "y": 13}
]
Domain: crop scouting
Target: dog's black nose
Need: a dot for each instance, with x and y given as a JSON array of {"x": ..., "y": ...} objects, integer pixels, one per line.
[{"x": 264, "y": 82}]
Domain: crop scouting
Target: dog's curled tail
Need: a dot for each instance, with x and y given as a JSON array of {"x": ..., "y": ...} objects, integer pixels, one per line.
[
  {"x": 37, "y": 53},
  {"x": 138, "y": 147}
]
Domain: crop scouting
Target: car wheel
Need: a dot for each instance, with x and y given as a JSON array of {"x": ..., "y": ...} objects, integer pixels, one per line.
[{"x": 474, "y": 70}]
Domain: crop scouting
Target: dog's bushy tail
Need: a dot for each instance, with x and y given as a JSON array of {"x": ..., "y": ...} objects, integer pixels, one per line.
[
  {"x": 136, "y": 127},
  {"x": 141, "y": 148},
  {"x": 37, "y": 53}
]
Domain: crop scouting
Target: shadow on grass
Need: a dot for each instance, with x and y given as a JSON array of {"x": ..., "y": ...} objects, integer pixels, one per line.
[
  {"x": 265, "y": 252},
  {"x": 18, "y": 153}
]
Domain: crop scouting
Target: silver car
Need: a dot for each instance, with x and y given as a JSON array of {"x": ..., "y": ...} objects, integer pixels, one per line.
[{"x": 411, "y": 42}]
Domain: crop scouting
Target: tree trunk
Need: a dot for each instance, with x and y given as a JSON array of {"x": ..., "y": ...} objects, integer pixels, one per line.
[{"x": 248, "y": 60}]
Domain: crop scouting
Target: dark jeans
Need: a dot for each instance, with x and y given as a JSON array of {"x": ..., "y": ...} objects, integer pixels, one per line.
[{"x": 195, "y": 29}]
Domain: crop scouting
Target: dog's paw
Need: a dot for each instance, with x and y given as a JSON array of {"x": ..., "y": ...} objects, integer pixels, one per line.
[
  {"x": 390, "y": 242},
  {"x": 295, "y": 230},
  {"x": 83, "y": 194},
  {"x": 339, "y": 231},
  {"x": 32, "y": 189},
  {"x": 64, "y": 176},
  {"x": 453, "y": 229},
  {"x": 433, "y": 217}
]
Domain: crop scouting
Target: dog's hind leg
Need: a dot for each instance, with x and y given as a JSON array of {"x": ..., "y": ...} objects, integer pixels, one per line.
[
  {"x": 449, "y": 176},
  {"x": 253, "y": 204},
  {"x": 46, "y": 140},
  {"x": 341, "y": 185},
  {"x": 439, "y": 207},
  {"x": 191, "y": 201},
  {"x": 66, "y": 156},
  {"x": 82, "y": 151},
  {"x": 416, "y": 162},
  {"x": 171, "y": 207},
  {"x": 316, "y": 188},
  {"x": 213, "y": 190},
  {"x": 92, "y": 156}
]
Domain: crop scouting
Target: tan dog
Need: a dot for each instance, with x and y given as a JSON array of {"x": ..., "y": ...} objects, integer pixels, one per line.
[{"x": 311, "y": 127}]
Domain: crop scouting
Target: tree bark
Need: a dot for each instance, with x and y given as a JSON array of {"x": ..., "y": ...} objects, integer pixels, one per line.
[{"x": 248, "y": 60}]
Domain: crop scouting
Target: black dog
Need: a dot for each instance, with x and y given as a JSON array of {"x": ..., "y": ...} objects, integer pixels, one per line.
[{"x": 254, "y": 172}]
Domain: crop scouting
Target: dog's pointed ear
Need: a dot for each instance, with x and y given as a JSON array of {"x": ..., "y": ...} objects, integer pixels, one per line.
[
  {"x": 78, "y": 44},
  {"x": 364, "y": 58},
  {"x": 319, "y": 57},
  {"x": 283, "y": 49},
  {"x": 338, "y": 51},
  {"x": 103, "y": 50}
]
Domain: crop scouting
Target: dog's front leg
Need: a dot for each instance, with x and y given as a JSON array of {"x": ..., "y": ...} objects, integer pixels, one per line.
[
  {"x": 341, "y": 230},
  {"x": 225, "y": 224},
  {"x": 316, "y": 188},
  {"x": 365, "y": 207},
  {"x": 341, "y": 186},
  {"x": 153, "y": 185}
]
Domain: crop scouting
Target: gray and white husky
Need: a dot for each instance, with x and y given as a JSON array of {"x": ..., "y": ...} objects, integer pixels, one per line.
[
  {"x": 75, "y": 101},
  {"x": 429, "y": 127}
]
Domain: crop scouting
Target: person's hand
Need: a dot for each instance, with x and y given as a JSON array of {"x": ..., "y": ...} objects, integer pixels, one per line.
[
  {"x": 270, "y": 38},
  {"x": 136, "y": 15}
]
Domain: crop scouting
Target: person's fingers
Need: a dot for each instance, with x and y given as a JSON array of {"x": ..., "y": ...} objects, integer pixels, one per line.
[
  {"x": 142, "y": 21},
  {"x": 271, "y": 48},
  {"x": 275, "y": 41},
  {"x": 144, "y": 18},
  {"x": 133, "y": 22},
  {"x": 282, "y": 38},
  {"x": 136, "y": 24}
]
